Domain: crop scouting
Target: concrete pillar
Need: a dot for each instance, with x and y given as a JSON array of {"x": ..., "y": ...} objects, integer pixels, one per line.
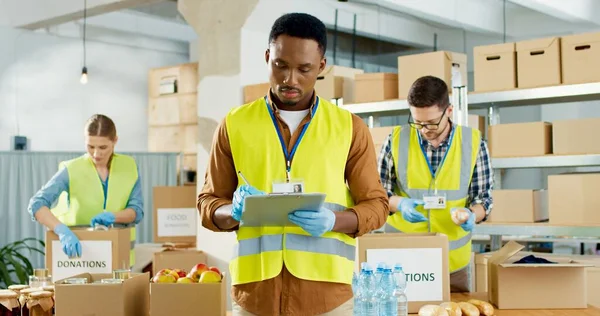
[{"x": 220, "y": 53}]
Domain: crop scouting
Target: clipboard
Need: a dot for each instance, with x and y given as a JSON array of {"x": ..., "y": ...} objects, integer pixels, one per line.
[{"x": 273, "y": 209}]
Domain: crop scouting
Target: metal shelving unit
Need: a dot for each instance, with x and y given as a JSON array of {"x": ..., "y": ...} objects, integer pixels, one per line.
[
  {"x": 549, "y": 161},
  {"x": 493, "y": 101}
]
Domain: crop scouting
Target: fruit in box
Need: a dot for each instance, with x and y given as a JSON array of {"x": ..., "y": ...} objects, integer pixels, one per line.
[
  {"x": 164, "y": 278},
  {"x": 196, "y": 271},
  {"x": 210, "y": 277},
  {"x": 169, "y": 271},
  {"x": 185, "y": 280},
  {"x": 180, "y": 272},
  {"x": 216, "y": 270}
]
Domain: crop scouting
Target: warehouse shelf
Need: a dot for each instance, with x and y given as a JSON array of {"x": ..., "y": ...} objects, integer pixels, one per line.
[
  {"x": 549, "y": 161},
  {"x": 389, "y": 107},
  {"x": 517, "y": 97},
  {"x": 536, "y": 96},
  {"x": 536, "y": 229}
]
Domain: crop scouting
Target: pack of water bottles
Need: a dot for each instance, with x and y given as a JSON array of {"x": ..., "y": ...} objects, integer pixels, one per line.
[{"x": 380, "y": 292}]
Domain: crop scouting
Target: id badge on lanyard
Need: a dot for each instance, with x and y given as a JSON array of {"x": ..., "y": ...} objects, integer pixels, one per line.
[
  {"x": 289, "y": 185},
  {"x": 435, "y": 200}
]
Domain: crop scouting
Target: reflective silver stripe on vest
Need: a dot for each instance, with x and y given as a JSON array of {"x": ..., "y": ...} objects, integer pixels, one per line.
[
  {"x": 321, "y": 245},
  {"x": 132, "y": 245},
  {"x": 328, "y": 246},
  {"x": 387, "y": 228},
  {"x": 465, "y": 165},
  {"x": 257, "y": 245},
  {"x": 455, "y": 244}
]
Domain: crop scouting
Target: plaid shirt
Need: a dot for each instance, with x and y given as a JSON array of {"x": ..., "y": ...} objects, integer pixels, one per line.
[{"x": 480, "y": 189}]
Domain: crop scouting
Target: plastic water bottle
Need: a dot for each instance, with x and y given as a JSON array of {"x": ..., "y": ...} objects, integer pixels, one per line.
[
  {"x": 379, "y": 271},
  {"x": 400, "y": 291},
  {"x": 355, "y": 293},
  {"x": 359, "y": 291},
  {"x": 387, "y": 299},
  {"x": 368, "y": 293}
]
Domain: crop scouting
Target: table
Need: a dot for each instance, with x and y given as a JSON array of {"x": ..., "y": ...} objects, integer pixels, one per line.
[
  {"x": 456, "y": 297},
  {"x": 591, "y": 311}
]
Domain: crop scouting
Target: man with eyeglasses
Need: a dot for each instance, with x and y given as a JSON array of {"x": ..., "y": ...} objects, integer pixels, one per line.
[{"x": 438, "y": 175}]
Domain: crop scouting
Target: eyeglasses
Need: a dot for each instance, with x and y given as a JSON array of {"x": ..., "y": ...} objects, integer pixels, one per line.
[{"x": 428, "y": 126}]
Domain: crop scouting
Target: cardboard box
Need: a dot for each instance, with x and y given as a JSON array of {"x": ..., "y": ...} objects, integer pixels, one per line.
[
  {"x": 580, "y": 58},
  {"x": 256, "y": 91},
  {"x": 184, "y": 77},
  {"x": 379, "y": 135},
  {"x": 538, "y": 63},
  {"x": 575, "y": 137},
  {"x": 206, "y": 299},
  {"x": 437, "y": 64},
  {"x": 183, "y": 259},
  {"x": 173, "y": 138},
  {"x": 173, "y": 109},
  {"x": 424, "y": 258},
  {"x": 573, "y": 199},
  {"x": 373, "y": 87},
  {"x": 495, "y": 67},
  {"x": 535, "y": 286},
  {"x": 175, "y": 214},
  {"x": 520, "y": 139},
  {"x": 477, "y": 122},
  {"x": 592, "y": 273},
  {"x": 532, "y": 206},
  {"x": 336, "y": 82},
  {"x": 130, "y": 298},
  {"x": 101, "y": 252}
]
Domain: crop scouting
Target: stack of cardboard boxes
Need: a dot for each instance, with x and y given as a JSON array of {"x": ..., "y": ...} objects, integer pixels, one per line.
[{"x": 537, "y": 63}]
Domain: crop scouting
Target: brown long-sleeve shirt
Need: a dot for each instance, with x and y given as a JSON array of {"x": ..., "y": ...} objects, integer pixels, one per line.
[{"x": 287, "y": 294}]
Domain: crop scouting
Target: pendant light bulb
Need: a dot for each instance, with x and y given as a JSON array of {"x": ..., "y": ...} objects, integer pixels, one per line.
[{"x": 84, "y": 75}]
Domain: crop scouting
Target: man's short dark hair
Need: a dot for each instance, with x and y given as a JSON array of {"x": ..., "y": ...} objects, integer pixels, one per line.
[
  {"x": 429, "y": 91},
  {"x": 300, "y": 25}
]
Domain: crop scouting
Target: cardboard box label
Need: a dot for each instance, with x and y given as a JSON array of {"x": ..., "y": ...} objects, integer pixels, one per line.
[
  {"x": 176, "y": 222},
  {"x": 422, "y": 266},
  {"x": 96, "y": 257}
]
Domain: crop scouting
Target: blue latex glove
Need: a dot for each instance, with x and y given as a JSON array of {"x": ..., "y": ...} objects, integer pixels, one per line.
[
  {"x": 315, "y": 223},
  {"x": 104, "y": 218},
  {"x": 70, "y": 243},
  {"x": 238, "y": 200},
  {"x": 467, "y": 224},
  {"x": 409, "y": 213}
]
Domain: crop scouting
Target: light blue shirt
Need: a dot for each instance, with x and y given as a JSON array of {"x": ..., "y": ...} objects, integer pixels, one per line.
[{"x": 49, "y": 193}]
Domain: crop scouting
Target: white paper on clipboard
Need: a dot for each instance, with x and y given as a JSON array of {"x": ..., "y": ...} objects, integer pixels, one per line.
[{"x": 273, "y": 209}]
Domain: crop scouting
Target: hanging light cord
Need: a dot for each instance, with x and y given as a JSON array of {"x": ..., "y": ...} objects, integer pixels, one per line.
[{"x": 84, "y": 30}]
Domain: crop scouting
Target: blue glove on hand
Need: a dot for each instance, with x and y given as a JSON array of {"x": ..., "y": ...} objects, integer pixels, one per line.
[
  {"x": 409, "y": 213},
  {"x": 315, "y": 223},
  {"x": 104, "y": 218},
  {"x": 70, "y": 243},
  {"x": 238, "y": 200},
  {"x": 464, "y": 217}
]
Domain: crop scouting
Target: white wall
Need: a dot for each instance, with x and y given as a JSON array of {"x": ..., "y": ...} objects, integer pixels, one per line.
[{"x": 41, "y": 96}]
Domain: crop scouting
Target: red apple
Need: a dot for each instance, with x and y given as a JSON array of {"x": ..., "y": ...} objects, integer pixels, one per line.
[
  {"x": 215, "y": 269},
  {"x": 210, "y": 277},
  {"x": 185, "y": 280},
  {"x": 199, "y": 267},
  {"x": 180, "y": 272},
  {"x": 164, "y": 278},
  {"x": 169, "y": 271}
]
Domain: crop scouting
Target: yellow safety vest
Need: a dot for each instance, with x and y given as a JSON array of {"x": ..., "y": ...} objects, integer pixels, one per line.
[
  {"x": 320, "y": 161},
  {"x": 453, "y": 178},
  {"x": 85, "y": 198}
]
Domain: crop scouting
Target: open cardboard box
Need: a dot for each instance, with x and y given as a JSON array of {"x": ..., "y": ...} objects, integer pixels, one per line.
[
  {"x": 183, "y": 259},
  {"x": 102, "y": 251},
  {"x": 424, "y": 259},
  {"x": 206, "y": 299},
  {"x": 559, "y": 285},
  {"x": 129, "y": 298}
]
